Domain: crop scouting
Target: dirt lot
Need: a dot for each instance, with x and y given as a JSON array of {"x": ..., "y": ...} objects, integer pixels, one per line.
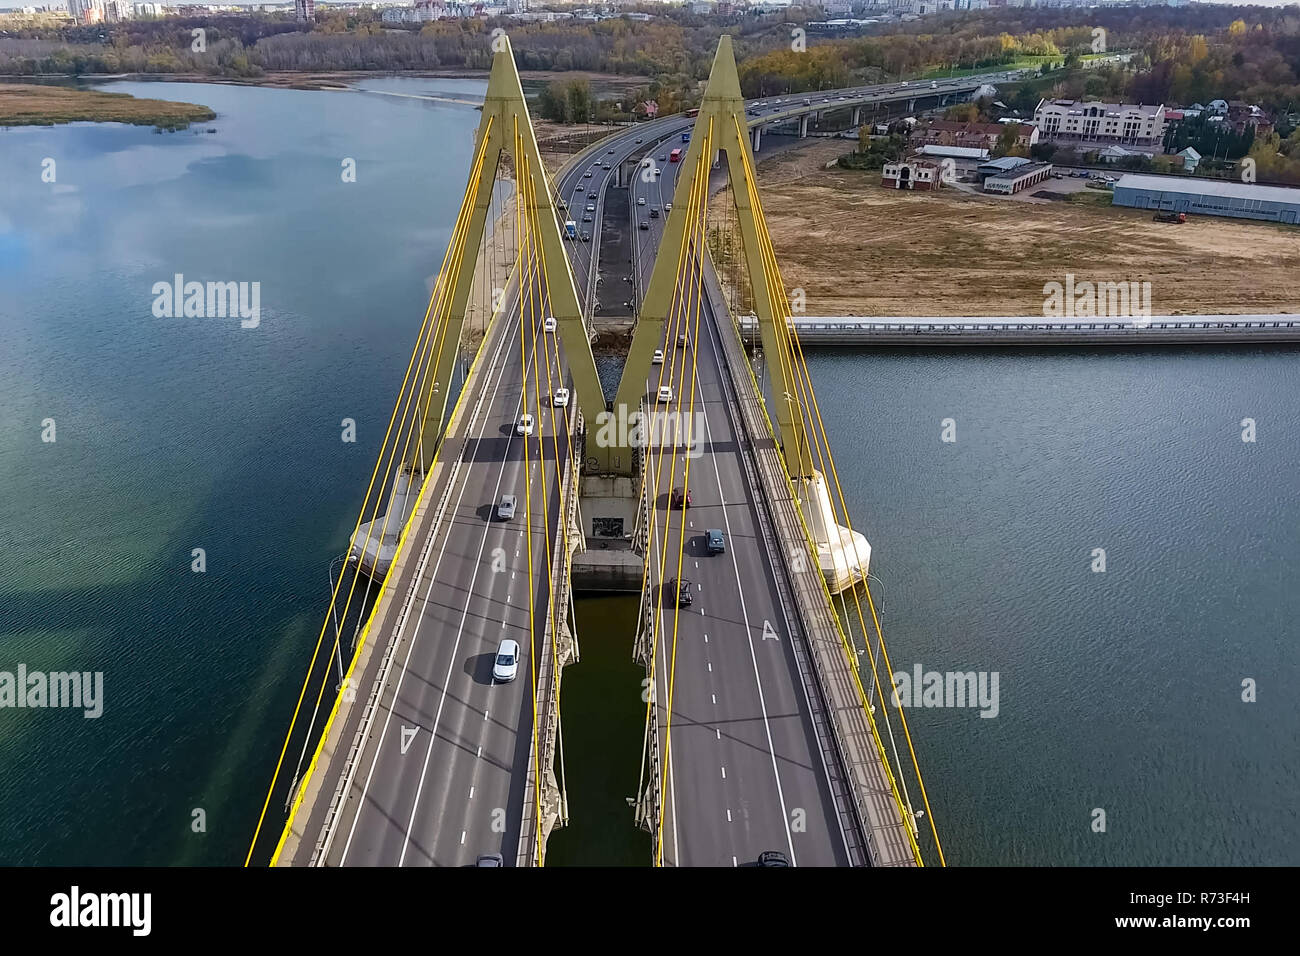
[{"x": 858, "y": 249}]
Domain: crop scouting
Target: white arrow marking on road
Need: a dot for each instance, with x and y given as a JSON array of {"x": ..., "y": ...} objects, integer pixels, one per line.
[{"x": 408, "y": 735}]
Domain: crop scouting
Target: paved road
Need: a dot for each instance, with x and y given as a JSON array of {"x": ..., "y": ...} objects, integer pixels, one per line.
[
  {"x": 436, "y": 780},
  {"x": 746, "y": 772},
  {"x": 439, "y": 778}
]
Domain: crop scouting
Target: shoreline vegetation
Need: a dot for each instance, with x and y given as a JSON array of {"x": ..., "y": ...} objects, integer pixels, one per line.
[{"x": 41, "y": 105}]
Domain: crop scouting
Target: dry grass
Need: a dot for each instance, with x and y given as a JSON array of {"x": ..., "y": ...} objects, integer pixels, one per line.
[
  {"x": 23, "y": 105},
  {"x": 857, "y": 249}
]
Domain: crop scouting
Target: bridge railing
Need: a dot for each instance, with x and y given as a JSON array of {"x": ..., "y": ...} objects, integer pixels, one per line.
[
  {"x": 649, "y": 790},
  {"x": 533, "y": 832}
]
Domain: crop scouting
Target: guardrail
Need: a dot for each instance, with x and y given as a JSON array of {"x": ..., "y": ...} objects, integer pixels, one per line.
[
  {"x": 533, "y": 832},
  {"x": 649, "y": 793},
  {"x": 850, "y": 776},
  {"x": 1128, "y": 331}
]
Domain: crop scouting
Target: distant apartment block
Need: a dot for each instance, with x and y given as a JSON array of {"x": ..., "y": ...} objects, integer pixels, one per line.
[
  {"x": 86, "y": 11},
  {"x": 304, "y": 10},
  {"x": 1104, "y": 124}
]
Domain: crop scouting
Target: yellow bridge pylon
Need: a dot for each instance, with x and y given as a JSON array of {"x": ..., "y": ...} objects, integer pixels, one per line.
[
  {"x": 506, "y": 130},
  {"x": 721, "y": 126}
]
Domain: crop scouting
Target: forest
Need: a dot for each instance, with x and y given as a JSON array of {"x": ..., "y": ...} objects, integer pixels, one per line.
[{"x": 1179, "y": 55}]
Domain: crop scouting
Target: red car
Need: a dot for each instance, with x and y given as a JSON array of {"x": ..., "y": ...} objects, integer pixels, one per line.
[{"x": 681, "y": 500}]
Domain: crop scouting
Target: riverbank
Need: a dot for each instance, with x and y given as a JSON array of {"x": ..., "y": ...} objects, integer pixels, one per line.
[
  {"x": 601, "y": 83},
  {"x": 29, "y": 105}
]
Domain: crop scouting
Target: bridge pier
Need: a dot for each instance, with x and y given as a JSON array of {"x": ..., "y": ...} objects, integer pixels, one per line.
[
  {"x": 844, "y": 556},
  {"x": 758, "y": 137},
  {"x": 803, "y": 126},
  {"x": 857, "y": 116}
]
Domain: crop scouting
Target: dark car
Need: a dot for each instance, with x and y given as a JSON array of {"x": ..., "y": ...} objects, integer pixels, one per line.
[
  {"x": 773, "y": 858},
  {"x": 654, "y": 213},
  {"x": 680, "y": 588},
  {"x": 586, "y": 237},
  {"x": 490, "y": 859},
  {"x": 681, "y": 500},
  {"x": 587, "y": 218},
  {"x": 716, "y": 541},
  {"x": 663, "y": 159},
  {"x": 644, "y": 224}
]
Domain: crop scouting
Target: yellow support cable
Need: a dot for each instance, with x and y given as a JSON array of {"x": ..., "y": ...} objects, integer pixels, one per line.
[
  {"x": 535, "y": 302},
  {"x": 553, "y": 603},
  {"x": 520, "y": 165},
  {"x": 783, "y": 335},
  {"x": 695, "y": 239},
  {"x": 370, "y": 620},
  {"x": 811, "y": 407},
  {"x": 675, "y": 313},
  {"x": 424, "y": 330}
]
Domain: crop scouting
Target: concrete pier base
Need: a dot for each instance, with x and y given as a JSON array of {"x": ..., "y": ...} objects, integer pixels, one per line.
[
  {"x": 609, "y": 507},
  {"x": 844, "y": 555},
  {"x": 375, "y": 542}
]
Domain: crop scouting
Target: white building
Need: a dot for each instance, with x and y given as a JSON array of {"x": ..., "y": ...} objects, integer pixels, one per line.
[{"x": 1073, "y": 121}]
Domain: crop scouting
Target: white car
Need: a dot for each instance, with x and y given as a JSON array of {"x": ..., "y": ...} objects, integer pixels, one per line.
[
  {"x": 641, "y": 201},
  {"x": 665, "y": 393},
  {"x": 657, "y": 358},
  {"x": 561, "y": 398},
  {"x": 525, "y": 425},
  {"x": 548, "y": 324},
  {"x": 506, "y": 665},
  {"x": 668, "y": 207}
]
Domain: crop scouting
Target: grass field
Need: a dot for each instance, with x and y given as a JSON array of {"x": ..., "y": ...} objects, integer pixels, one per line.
[{"x": 24, "y": 105}]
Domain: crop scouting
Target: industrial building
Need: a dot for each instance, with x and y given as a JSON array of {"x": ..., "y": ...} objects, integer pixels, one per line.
[
  {"x": 1017, "y": 178},
  {"x": 1004, "y": 164},
  {"x": 1209, "y": 197},
  {"x": 952, "y": 152}
]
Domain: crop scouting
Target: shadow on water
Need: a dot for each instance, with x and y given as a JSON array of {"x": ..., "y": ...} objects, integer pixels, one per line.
[{"x": 604, "y": 726}]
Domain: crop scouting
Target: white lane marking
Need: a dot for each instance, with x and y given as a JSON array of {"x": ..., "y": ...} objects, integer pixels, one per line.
[
  {"x": 709, "y": 665},
  {"x": 528, "y": 364},
  {"x": 471, "y": 793},
  {"x": 728, "y": 814},
  {"x": 462, "y": 837},
  {"x": 473, "y": 425},
  {"x": 744, "y": 610},
  {"x": 724, "y": 773}
]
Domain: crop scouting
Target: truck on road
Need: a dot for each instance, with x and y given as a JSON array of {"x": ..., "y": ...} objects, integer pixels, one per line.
[
  {"x": 570, "y": 229},
  {"x": 1169, "y": 217}
]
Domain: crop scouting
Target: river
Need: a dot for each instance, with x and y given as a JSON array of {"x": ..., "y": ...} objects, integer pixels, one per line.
[{"x": 1119, "y": 690}]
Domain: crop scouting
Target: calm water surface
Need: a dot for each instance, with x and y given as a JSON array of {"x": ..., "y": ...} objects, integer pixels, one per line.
[{"x": 1118, "y": 690}]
